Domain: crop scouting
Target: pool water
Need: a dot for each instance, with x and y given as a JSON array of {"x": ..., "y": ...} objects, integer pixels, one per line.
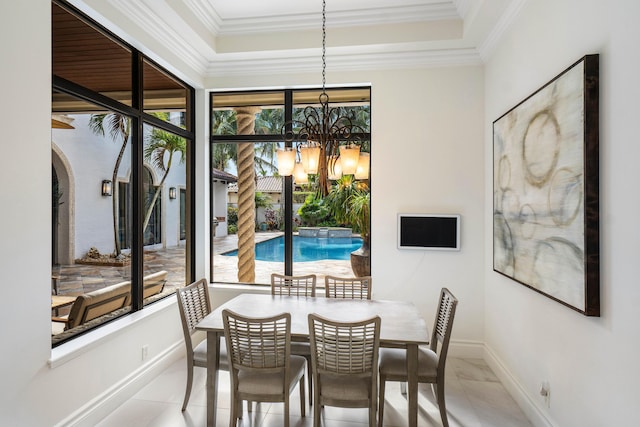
[{"x": 306, "y": 248}]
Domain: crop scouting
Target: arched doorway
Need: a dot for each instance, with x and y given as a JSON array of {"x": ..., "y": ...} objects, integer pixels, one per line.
[{"x": 62, "y": 209}]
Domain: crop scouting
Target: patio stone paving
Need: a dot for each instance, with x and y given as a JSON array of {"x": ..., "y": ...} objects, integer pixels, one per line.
[{"x": 77, "y": 279}]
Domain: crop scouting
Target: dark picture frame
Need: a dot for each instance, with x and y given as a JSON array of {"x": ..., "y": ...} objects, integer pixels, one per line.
[{"x": 546, "y": 189}]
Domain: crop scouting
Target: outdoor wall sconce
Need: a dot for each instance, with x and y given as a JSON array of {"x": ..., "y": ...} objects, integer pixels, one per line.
[
  {"x": 172, "y": 193},
  {"x": 107, "y": 187}
]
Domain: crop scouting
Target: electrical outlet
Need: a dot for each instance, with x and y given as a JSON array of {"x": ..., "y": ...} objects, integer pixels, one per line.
[
  {"x": 545, "y": 392},
  {"x": 145, "y": 351}
]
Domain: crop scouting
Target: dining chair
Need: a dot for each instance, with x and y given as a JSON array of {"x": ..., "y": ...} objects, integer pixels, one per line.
[
  {"x": 431, "y": 361},
  {"x": 261, "y": 365},
  {"x": 347, "y": 287},
  {"x": 297, "y": 286},
  {"x": 194, "y": 304},
  {"x": 293, "y": 285},
  {"x": 344, "y": 359}
]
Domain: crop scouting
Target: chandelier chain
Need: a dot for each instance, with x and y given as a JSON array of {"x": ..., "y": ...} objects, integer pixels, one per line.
[{"x": 324, "y": 44}]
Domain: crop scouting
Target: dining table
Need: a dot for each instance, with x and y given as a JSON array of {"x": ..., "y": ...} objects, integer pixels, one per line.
[{"x": 402, "y": 326}]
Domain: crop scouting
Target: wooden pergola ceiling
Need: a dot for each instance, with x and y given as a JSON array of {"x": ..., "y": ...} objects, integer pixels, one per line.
[{"x": 94, "y": 60}]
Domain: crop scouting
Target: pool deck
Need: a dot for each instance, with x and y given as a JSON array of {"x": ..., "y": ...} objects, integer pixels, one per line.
[{"x": 77, "y": 279}]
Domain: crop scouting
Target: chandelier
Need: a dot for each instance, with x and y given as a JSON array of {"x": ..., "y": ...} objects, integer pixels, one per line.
[{"x": 325, "y": 142}]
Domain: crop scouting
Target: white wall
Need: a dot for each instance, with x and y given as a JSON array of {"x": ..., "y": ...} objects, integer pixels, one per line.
[
  {"x": 427, "y": 137},
  {"x": 25, "y": 225},
  {"x": 32, "y": 393},
  {"x": 590, "y": 363}
]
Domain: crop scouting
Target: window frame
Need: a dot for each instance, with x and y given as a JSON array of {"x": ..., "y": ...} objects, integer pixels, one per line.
[
  {"x": 139, "y": 118},
  {"x": 289, "y": 106}
]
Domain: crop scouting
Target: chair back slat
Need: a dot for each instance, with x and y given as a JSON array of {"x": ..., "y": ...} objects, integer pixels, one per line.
[
  {"x": 293, "y": 285},
  {"x": 443, "y": 323},
  {"x": 194, "y": 304},
  {"x": 257, "y": 343},
  {"x": 348, "y": 287},
  {"x": 344, "y": 348}
]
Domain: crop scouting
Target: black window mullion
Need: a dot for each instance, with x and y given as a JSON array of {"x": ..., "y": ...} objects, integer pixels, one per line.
[
  {"x": 288, "y": 191},
  {"x": 190, "y": 267},
  {"x": 137, "y": 166}
]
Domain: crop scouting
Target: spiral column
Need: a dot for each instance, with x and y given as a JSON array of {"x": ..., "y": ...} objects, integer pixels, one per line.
[{"x": 246, "y": 117}]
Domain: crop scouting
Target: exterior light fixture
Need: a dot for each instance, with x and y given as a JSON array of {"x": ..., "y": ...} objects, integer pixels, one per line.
[
  {"x": 107, "y": 187},
  {"x": 172, "y": 193},
  {"x": 321, "y": 134}
]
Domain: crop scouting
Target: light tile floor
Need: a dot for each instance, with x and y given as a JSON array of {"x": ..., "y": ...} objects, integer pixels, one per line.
[{"x": 475, "y": 397}]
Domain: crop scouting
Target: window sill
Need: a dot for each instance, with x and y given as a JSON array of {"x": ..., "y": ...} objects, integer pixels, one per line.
[
  {"x": 86, "y": 342},
  {"x": 254, "y": 289}
]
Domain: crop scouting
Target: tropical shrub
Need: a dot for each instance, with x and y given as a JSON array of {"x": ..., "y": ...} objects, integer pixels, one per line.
[
  {"x": 232, "y": 216},
  {"x": 313, "y": 211}
]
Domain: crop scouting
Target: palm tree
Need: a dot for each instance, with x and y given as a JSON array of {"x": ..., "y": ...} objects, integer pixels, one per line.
[
  {"x": 338, "y": 198},
  {"x": 119, "y": 128},
  {"x": 268, "y": 122},
  {"x": 161, "y": 144},
  {"x": 222, "y": 154}
]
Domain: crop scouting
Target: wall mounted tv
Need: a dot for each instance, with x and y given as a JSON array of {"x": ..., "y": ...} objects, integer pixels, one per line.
[{"x": 429, "y": 232}]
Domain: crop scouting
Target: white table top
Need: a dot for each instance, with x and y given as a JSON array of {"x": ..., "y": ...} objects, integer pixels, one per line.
[{"x": 401, "y": 322}]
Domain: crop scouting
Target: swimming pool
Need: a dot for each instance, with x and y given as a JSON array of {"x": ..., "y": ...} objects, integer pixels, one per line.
[{"x": 306, "y": 248}]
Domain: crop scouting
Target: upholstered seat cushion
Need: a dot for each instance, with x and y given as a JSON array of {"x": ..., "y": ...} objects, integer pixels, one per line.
[
  {"x": 200, "y": 355},
  {"x": 301, "y": 348},
  {"x": 345, "y": 388},
  {"x": 98, "y": 303},
  {"x": 256, "y": 382},
  {"x": 393, "y": 362}
]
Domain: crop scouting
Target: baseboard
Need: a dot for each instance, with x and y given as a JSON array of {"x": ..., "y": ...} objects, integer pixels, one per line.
[
  {"x": 536, "y": 414},
  {"x": 98, "y": 408},
  {"x": 465, "y": 349}
]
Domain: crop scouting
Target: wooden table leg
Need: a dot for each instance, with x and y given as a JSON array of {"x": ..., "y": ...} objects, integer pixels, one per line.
[
  {"x": 213, "y": 357},
  {"x": 412, "y": 383}
]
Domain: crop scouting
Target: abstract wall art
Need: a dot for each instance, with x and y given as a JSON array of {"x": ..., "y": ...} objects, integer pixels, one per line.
[{"x": 545, "y": 189}]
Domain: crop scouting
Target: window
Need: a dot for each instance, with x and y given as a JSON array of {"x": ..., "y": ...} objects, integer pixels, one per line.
[
  {"x": 264, "y": 222},
  {"x": 183, "y": 214},
  {"x": 115, "y": 156}
]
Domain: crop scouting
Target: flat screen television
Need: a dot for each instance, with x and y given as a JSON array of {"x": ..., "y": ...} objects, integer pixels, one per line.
[{"x": 429, "y": 232}]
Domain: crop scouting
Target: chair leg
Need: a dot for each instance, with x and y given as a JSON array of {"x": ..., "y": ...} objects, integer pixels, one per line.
[
  {"x": 403, "y": 388},
  {"x": 441, "y": 405},
  {"x": 372, "y": 412},
  {"x": 383, "y": 383},
  {"x": 308, "y": 357},
  {"x": 316, "y": 415},
  {"x": 233, "y": 411},
  {"x": 187, "y": 392},
  {"x": 302, "y": 401},
  {"x": 286, "y": 411},
  {"x": 316, "y": 408}
]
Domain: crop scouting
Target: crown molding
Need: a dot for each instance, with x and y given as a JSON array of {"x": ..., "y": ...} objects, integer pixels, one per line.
[
  {"x": 310, "y": 62},
  {"x": 204, "y": 11},
  {"x": 488, "y": 46},
  {"x": 150, "y": 22},
  {"x": 463, "y": 7},
  {"x": 359, "y": 17}
]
